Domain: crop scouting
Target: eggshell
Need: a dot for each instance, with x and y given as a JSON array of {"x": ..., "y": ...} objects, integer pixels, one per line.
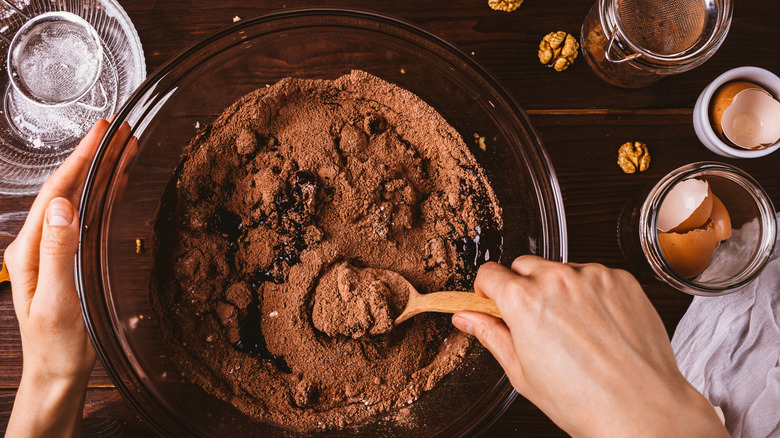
[
  {"x": 722, "y": 99},
  {"x": 687, "y": 206},
  {"x": 721, "y": 220},
  {"x": 689, "y": 253},
  {"x": 752, "y": 121}
]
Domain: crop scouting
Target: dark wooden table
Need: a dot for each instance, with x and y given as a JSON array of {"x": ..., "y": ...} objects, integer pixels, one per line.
[{"x": 581, "y": 120}]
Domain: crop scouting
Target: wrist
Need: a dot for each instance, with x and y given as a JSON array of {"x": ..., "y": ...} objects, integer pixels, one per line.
[
  {"x": 42, "y": 376},
  {"x": 40, "y": 371},
  {"x": 701, "y": 419},
  {"x": 47, "y": 405},
  {"x": 682, "y": 411},
  {"x": 663, "y": 407},
  {"x": 42, "y": 381}
]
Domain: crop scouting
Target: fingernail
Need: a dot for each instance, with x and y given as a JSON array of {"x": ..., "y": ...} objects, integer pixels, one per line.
[
  {"x": 463, "y": 324},
  {"x": 59, "y": 213}
]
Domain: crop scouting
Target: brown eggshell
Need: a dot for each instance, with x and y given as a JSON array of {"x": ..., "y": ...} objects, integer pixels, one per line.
[
  {"x": 689, "y": 253},
  {"x": 722, "y": 99},
  {"x": 752, "y": 121},
  {"x": 721, "y": 220},
  {"x": 699, "y": 217}
]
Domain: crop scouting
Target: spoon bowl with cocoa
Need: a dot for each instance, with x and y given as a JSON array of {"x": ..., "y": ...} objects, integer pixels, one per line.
[{"x": 354, "y": 301}]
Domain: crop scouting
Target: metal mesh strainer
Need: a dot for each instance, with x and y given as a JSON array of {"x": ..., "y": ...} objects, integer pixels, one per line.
[
  {"x": 667, "y": 27},
  {"x": 55, "y": 58}
]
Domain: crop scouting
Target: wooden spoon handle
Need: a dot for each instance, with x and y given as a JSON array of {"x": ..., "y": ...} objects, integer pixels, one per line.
[
  {"x": 451, "y": 302},
  {"x": 4, "y": 274}
]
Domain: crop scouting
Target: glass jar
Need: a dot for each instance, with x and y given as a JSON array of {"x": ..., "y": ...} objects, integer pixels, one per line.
[
  {"x": 736, "y": 262},
  {"x": 634, "y": 43}
]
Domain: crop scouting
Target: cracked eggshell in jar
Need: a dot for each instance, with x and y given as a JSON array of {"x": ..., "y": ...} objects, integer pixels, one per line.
[
  {"x": 687, "y": 206},
  {"x": 688, "y": 232},
  {"x": 720, "y": 219},
  {"x": 689, "y": 253}
]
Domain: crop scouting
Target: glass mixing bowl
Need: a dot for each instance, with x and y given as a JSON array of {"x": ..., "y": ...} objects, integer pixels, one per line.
[{"x": 128, "y": 178}]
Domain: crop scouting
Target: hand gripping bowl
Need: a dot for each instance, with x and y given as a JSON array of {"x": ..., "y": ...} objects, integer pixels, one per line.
[{"x": 128, "y": 178}]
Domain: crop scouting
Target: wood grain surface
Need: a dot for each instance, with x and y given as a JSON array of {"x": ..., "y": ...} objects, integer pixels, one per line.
[{"x": 582, "y": 121}]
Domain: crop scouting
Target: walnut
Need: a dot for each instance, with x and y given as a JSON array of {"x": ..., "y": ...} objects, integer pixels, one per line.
[
  {"x": 558, "y": 50},
  {"x": 505, "y": 5},
  {"x": 633, "y": 156}
]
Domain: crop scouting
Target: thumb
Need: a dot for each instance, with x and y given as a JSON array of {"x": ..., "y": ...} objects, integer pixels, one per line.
[
  {"x": 59, "y": 241},
  {"x": 495, "y": 336}
]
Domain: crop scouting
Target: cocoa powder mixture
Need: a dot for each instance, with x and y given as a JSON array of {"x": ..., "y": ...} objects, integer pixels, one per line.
[
  {"x": 355, "y": 302},
  {"x": 275, "y": 209}
]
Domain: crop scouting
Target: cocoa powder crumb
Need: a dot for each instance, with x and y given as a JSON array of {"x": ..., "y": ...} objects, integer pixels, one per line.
[{"x": 353, "y": 302}]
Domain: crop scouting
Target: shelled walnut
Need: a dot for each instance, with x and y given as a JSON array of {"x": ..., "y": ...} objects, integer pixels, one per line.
[
  {"x": 558, "y": 50},
  {"x": 633, "y": 156},
  {"x": 505, "y": 5}
]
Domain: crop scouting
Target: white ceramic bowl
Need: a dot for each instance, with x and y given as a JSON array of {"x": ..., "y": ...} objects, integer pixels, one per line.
[{"x": 701, "y": 112}]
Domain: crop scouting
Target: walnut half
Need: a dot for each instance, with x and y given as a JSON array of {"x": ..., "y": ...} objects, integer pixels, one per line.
[
  {"x": 558, "y": 50},
  {"x": 505, "y": 5},
  {"x": 633, "y": 156}
]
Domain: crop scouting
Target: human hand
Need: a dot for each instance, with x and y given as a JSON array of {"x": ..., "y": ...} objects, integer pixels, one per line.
[
  {"x": 586, "y": 346},
  {"x": 57, "y": 354}
]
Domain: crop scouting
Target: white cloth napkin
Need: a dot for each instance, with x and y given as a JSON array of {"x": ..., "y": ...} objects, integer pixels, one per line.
[{"x": 728, "y": 347}]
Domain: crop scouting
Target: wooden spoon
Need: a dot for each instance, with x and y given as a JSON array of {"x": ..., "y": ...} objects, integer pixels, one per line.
[
  {"x": 4, "y": 274},
  {"x": 446, "y": 302}
]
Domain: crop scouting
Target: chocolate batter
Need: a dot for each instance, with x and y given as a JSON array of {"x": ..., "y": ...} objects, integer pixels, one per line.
[{"x": 273, "y": 212}]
